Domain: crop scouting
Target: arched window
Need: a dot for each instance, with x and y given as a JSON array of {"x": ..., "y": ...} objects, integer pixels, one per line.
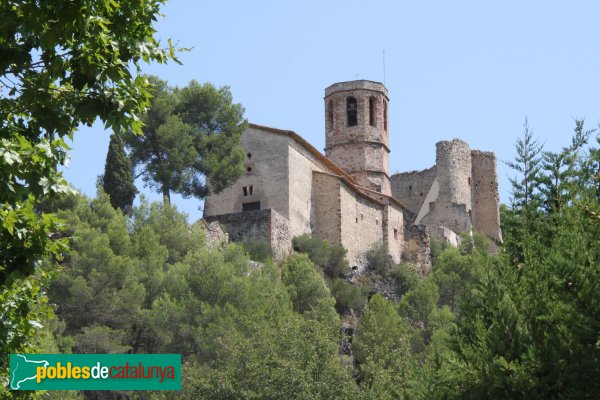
[
  {"x": 372, "y": 111},
  {"x": 385, "y": 115},
  {"x": 330, "y": 113},
  {"x": 351, "y": 111}
]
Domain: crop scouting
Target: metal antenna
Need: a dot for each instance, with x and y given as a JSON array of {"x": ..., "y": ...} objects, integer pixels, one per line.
[{"x": 383, "y": 67}]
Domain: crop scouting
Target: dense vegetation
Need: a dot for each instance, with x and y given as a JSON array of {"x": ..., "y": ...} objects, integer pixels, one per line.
[
  {"x": 520, "y": 324},
  {"x": 62, "y": 65}
]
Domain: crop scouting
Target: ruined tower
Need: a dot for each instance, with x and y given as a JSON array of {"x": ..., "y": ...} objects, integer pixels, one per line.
[{"x": 357, "y": 132}]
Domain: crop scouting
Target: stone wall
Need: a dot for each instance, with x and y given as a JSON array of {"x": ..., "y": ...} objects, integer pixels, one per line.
[
  {"x": 453, "y": 162},
  {"x": 327, "y": 207},
  {"x": 486, "y": 213},
  {"x": 267, "y": 161},
  {"x": 281, "y": 236},
  {"x": 346, "y": 217},
  {"x": 301, "y": 167},
  {"x": 361, "y": 225},
  {"x": 215, "y": 235},
  {"x": 267, "y": 225},
  {"x": 422, "y": 236},
  {"x": 452, "y": 209},
  {"x": 410, "y": 188},
  {"x": 393, "y": 229}
]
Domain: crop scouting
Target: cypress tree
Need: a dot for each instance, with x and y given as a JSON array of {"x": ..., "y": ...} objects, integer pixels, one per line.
[{"x": 118, "y": 178}]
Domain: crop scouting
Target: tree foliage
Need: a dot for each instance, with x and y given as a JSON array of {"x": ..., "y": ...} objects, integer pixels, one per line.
[
  {"x": 150, "y": 285},
  {"x": 117, "y": 180},
  {"x": 62, "y": 64},
  {"x": 191, "y": 140},
  {"x": 529, "y": 328},
  {"x": 329, "y": 257}
]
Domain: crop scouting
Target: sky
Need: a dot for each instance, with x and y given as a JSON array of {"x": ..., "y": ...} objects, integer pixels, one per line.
[{"x": 473, "y": 70}]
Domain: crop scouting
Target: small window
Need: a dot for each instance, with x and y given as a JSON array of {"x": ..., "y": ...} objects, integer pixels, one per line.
[
  {"x": 372, "y": 111},
  {"x": 376, "y": 222},
  {"x": 410, "y": 188},
  {"x": 357, "y": 220},
  {"x": 352, "y": 111},
  {"x": 249, "y": 155},
  {"x": 396, "y": 236},
  {"x": 249, "y": 169},
  {"x": 251, "y": 187},
  {"x": 469, "y": 180},
  {"x": 362, "y": 216},
  {"x": 254, "y": 206},
  {"x": 245, "y": 190},
  {"x": 420, "y": 194}
]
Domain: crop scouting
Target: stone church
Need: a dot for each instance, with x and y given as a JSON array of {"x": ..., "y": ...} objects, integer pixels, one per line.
[{"x": 347, "y": 195}]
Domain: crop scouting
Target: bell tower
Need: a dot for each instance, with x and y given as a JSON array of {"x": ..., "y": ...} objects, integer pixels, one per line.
[{"x": 357, "y": 132}]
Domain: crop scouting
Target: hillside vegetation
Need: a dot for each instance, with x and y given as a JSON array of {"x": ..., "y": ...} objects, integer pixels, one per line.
[{"x": 523, "y": 323}]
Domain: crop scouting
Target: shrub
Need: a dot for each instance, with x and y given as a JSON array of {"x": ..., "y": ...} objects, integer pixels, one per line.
[
  {"x": 258, "y": 250},
  {"x": 406, "y": 277},
  {"x": 329, "y": 257},
  {"x": 379, "y": 260},
  {"x": 347, "y": 296}
]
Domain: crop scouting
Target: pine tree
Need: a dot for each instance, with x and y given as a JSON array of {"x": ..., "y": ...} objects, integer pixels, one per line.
[
  {"x": 118, "y": 179},
  {"x": 191, "y": 137}
]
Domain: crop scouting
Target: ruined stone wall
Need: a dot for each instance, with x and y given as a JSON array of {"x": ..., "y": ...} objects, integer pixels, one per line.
[
  {"x": 267, "y": 225},
  {"x": 486, "y": 213},
  {"x": 361, "y": 225},
  {"x": 281, "y": 236},
  {"x": 215, "y": 234},
  {"x": 420, "y": 235},
  {"x": 453, "y": 162},
  {"x": 410, "y": 188},
  {"x": 452, "y": 209},
  {"x": 265, "y": 169}
]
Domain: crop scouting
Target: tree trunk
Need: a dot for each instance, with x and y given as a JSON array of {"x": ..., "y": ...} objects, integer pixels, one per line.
[{"x": 166, "y": 195}]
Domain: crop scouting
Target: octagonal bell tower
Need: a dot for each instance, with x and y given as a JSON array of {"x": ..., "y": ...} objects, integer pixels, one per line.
[{"x": 357, "y": 132}]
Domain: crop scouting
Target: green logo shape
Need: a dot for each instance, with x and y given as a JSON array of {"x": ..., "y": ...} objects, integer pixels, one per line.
[{"x": 95, "y": 372}]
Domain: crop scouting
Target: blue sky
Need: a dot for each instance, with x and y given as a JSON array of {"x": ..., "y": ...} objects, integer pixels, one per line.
[{"x": 454, "y": 69}]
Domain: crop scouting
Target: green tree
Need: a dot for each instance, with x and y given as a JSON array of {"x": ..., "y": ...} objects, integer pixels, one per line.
[
  {"x": 191, "y": 140},
  {"x": 117, "y": 180},
  {"x": 525, "y": 196},
  {"x": 529, "y": 328},
  {"x": 382, "y": 351},
  {"x": 60, "y": 67},
  {"x": 307, "y": 289}
]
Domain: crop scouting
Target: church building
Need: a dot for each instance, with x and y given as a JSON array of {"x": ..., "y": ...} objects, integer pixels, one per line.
[{"x": 347, "y": 195}]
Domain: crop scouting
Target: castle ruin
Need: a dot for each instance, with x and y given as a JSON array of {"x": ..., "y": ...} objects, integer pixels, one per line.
[{"x": 347, "y": 195}]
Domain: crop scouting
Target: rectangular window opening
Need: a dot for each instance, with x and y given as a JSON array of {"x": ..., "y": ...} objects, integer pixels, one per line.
[
  {"x": 254, "y": 206},
  {"x": 245, "y": 190}
]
